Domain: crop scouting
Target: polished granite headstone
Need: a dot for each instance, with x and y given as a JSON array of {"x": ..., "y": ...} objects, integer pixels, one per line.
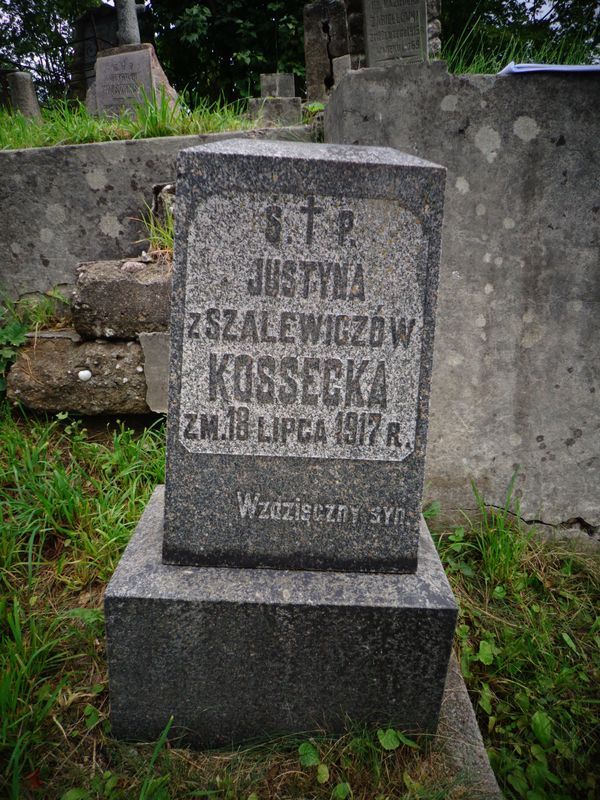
[
  {"x": 395, "y": 31},
  {"x": 302, "y": 323},
  {"x": 302, "y": 331}
]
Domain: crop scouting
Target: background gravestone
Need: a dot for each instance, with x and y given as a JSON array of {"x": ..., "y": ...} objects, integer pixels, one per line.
[
  {"x": 129, "y": 74},
  {"x": 22, "y": 95},
  {"x": 277, "y": 102},
  {"x": 395, "y": 31},
  {"x": 125, "y": 76},
  {"x": 302, "y": 338},
  {"x": 234, "y": 653},
  {"x": 335, "y": 33}
]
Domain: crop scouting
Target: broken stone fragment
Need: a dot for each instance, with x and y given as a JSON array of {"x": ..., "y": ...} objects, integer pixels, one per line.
[
  {"x": 58, "y": 373},
  {"x": 119, "y": 299},
  {"x": 325, "y": 38},
  {"x": 163, "y": 197}
]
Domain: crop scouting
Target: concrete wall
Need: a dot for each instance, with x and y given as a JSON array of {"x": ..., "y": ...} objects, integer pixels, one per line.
[
  {"x": 63, "y": 205},
  {"x": 516, "y": 366}
]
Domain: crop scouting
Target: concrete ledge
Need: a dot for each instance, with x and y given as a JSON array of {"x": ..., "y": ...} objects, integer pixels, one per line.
[
  {"x": 65, "y": 205},
  {"x": 459, "y": 739}
]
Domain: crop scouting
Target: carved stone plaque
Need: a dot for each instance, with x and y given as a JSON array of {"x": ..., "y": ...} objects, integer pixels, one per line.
[{"x": 395, "y": 30}]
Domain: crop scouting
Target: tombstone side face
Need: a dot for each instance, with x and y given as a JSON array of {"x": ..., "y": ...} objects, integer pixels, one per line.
[
  {"x": 302, "y": 331},
  {"x": 395, "y": 30}
]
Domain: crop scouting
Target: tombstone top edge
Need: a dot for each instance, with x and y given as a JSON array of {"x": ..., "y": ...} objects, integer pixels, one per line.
[
  {"x": 124, "y": 48},
  {"x": 306, "y": 151}
]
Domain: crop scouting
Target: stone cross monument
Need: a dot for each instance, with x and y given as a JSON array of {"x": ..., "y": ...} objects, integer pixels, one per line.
[
  {"x": 285, "y": 580},
  {"x": 128, "y": 29},
  {"x": 129, "y": 74}
]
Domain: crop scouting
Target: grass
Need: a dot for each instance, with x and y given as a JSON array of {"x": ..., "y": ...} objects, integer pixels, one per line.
[
  {"x": 160, "y": 232},
  {"x": 70, "y": 123},
  {"x": 472, "y": 52},
  {"x": 528, "y": 642}
]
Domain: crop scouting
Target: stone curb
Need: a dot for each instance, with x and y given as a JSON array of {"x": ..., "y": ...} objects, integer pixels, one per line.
[{"x": 459, "y": 741}]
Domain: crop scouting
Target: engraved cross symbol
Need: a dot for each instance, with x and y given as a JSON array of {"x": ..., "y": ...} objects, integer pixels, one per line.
[{"x": 310, "y": 209}]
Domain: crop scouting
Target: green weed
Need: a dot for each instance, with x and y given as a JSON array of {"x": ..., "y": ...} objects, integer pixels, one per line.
[
  {"x": 61, "y": 533},
  {"x": 17, "y": 318},
  {"x": 528, "y": 642},
  {"x": 160, "y": 233}
]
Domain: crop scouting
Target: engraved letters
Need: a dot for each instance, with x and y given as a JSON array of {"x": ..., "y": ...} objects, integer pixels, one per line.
[{"x": 302, "y": 351}]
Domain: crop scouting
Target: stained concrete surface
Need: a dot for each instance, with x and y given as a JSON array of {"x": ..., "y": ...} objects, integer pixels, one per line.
[{"x": 516, "y": 368}]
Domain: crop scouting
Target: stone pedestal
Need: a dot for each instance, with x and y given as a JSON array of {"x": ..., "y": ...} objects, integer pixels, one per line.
[
  {"x": 277, "y": 84},
  {"x": 239, "y": 653},
  {"x": 125, "y": 77},
  {"x": 276, "y": 110},
  {"x": 277, "y": 104},
  {"x": 22, "y": 95}
]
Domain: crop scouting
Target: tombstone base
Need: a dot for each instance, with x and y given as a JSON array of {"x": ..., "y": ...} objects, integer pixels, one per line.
[
  {"x": 276, "y": 110},
  {"x": 235, "y": 654}
]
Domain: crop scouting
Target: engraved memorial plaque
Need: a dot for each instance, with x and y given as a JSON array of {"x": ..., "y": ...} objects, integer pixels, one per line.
[
  {"x": 395, "y": 30},
  {"x": 302, "y": 328},
  {"x": 122, "y": 80},
  {"x": 128, "y": 76}
]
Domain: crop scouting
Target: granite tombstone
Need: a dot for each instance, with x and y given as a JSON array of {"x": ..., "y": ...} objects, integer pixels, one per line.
[
  {"x": 395, "y": 30},
  {"x": 302, "y": 334},
  {"x": 302, "y": 323}
]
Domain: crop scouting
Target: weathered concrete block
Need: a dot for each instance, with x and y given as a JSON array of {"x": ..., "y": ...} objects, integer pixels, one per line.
[
  {"x": 119, "y": 299},
  {"x": 325, "y": 37},
  {"x": 516, "y": 370},
  {"x": 58, "y": 373},
  {"x": 234, "y": 652},
  {"x": 341, "y": 66},
  {"x": 276, "y": 110}
]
